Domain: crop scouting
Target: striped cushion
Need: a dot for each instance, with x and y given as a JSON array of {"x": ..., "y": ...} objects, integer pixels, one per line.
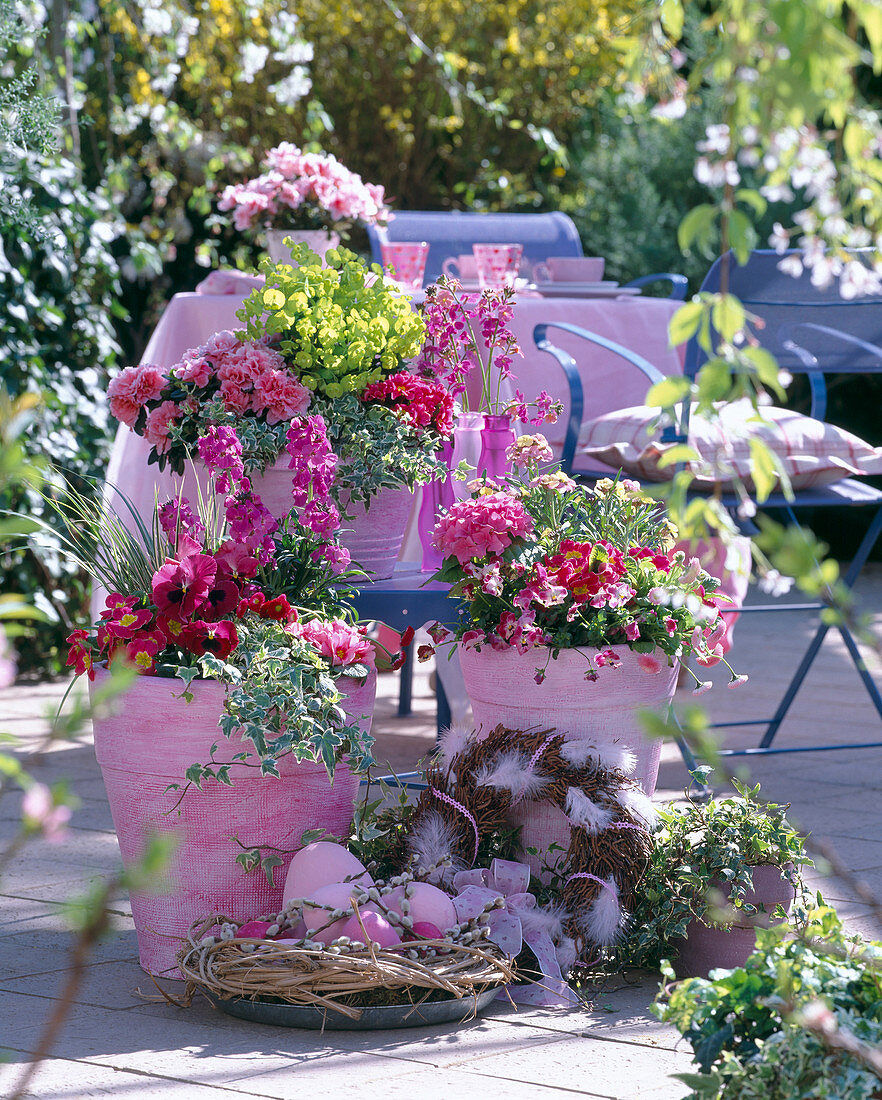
[{"x": 811, "y": 452}]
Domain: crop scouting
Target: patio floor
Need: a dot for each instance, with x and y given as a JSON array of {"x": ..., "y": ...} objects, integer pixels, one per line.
[{"x": 115, "y": 1043}]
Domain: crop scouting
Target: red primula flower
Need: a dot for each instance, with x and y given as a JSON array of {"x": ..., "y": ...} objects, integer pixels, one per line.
[
  {"x": 141, "y": 651},
  {"x": 181, "y": 587},
  {"x": 200, "y": 637},
  {"x": 129, "y": 622},
  {"x": 278, "y": 609},
  {"x": 80, "y": 655},
  {"x": 117, "y": 604},
  {"x": 170, "y": 627}
]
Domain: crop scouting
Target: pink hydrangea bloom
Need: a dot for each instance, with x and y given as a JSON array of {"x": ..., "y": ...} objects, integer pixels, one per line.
[
  {"x": 158, "y": 425},
  {"x": 477, "y": 528},
  {"x": 132, "y": 388}
]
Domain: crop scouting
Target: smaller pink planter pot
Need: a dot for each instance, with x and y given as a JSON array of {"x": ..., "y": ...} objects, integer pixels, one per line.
[
  {"x": 374, "y": 534},
  {"x": 704, "y": 949},
  {"x": 147, "y": 745},
  {"x": 502, "y": 690}
]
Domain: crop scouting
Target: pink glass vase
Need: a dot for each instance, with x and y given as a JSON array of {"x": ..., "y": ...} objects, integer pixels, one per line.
[
  {"x": 466, "y": 448},
  {"x": 496, "y": 437},
  {"x": 437, "y": 495}
]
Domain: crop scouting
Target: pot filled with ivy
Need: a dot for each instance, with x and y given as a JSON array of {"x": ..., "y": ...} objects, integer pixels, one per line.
[
  {"x": 249, "y": 719},
  {"x": 802, "y": 1019},
  {"x": 720, "y": 869}
]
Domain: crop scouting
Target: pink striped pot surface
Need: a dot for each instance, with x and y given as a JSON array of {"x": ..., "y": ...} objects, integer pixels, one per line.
[
  {"x": 704, "y": 949},
  {"x": 373, "y": 536},
  {"x": 148, "y": 744},
  {"x": 502, "y": 690}
]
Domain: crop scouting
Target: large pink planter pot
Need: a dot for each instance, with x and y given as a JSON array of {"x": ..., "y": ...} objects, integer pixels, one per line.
[
  {"x": 704, "y": 949},
  {"x": 502, "y": 690},
  {"x": 148, "y": 745}
]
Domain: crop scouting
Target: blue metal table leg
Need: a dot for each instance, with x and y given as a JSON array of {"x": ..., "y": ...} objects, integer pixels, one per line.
[
  {"x": 861, "y": 665},
  {"x": 405, "y": 689}
]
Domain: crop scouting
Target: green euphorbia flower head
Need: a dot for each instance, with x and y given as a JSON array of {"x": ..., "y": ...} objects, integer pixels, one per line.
[{"x": 341, "y": 325}]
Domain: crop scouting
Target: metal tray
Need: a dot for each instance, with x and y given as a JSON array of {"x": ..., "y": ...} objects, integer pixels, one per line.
[{"x": 371, "y": 1019}]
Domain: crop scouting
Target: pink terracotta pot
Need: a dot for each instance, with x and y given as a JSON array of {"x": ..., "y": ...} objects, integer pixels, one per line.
[
  {"x": 501, "y": 689},
  {"x": 374, "y": 534},
  {"x": 704, "y": 949},
  {"x": 147, "y": 745}
]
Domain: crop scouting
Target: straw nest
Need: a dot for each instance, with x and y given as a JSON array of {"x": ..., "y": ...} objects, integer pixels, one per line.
[{"x": 266, "y": 970}]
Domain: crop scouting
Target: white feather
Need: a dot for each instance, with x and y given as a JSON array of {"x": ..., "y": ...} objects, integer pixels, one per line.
[
  {"x": 638, "y": 805},
  {"x": 602, "y": 921},
  {"x": 566, "y": 955},
  {"x": 581, "y": 754},
  {"x": 588, "y": 815},
  {"x": 432, "y": 840},
  {"x": 511, "y": 771},
  {"x": 454, "y": 741},
  {"x": 541, "y": 920}
]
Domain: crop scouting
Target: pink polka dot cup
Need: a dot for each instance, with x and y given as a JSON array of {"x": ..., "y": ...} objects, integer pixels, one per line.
[
  {"x": 497, "y": 264},
  {"x": 405, "y": 262}
]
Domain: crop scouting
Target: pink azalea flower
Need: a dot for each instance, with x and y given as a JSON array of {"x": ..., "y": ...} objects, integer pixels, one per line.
[
  {"x": 339, "y": 642},
  {"x": 132, "y": 389},
  {"x": 648, "y": 663},
  {"x": 279, "y": 396},
  {"x": 632, "y": 631}
]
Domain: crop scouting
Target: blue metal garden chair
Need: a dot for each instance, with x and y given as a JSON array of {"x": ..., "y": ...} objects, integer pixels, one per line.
[
  {"x": 813, "y": 332},
  {"x": 450, "y": 233}
]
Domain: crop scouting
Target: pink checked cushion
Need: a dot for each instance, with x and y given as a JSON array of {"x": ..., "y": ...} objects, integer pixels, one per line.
[{"x": 811, "y": 452}]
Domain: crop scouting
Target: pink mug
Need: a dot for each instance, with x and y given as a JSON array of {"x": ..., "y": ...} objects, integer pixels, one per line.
[
  {"x": 461, "y": 267},
  {"x": 405, "y": 262},
  {"x": 497, "y": 264},
  {"x": 570, "y": 269}
]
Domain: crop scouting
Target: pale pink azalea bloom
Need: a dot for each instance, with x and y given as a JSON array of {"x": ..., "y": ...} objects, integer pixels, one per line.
[{"x": 648, "y": 663}]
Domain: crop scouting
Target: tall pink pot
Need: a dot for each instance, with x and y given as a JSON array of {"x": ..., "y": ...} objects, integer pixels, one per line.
[
  {"x": 148, "y": 745},
  {"x": 501, "y": 689}
]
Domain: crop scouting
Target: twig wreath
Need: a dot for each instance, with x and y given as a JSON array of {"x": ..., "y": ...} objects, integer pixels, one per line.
[{"x": 473, "y": 787}]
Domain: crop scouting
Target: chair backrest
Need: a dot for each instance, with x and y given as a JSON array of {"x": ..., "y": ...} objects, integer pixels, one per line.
[
  {"x": 450, "y": 233},
  {"x": 785, "y": 302}
]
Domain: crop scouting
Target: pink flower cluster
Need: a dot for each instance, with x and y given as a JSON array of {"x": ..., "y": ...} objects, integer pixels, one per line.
[
  {"x": 300, "y": 182},
  {"x": 420, "y": 402},
  {"x": 337, "y": 641},
  {"x": 314, "y": 468},
  {"x": 134, "y": 388},
  {"x": 248, "y": 378},
  {"x": 477, "y": 528},
  {"x": 467, "y": 332},
  {"x": 547, "y": 408},
  {"x": 251, "y": 524}
]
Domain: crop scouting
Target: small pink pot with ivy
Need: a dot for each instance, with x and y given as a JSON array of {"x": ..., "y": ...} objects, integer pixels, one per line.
[{"x": 145, "y": 748}]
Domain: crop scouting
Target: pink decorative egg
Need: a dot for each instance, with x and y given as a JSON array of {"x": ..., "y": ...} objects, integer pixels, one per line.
[
  {"x": 320, "y": 864},
  {"x": 335, "y": 894},
  {"x": 254, "y": 928},
  {"x": 426, "y": 931},
  {"x": 428, "y": 905},
  {"x": 376, "y": 926}
]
